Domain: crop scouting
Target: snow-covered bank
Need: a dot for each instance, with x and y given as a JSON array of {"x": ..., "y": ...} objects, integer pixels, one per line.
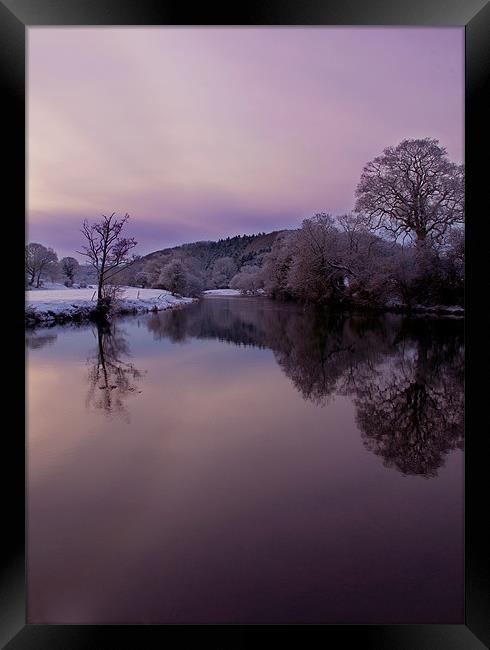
[
  {"x": 221, "y": 292},
  {"x": 51, "y": 305}
]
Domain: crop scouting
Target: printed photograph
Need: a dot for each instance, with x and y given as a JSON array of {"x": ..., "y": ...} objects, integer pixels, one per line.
[{"x": 244, "y": 317}]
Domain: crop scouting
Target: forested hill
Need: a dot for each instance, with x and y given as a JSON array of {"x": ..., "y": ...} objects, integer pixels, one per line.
[
  {"x": 207, "y": 264},
  {"x": 243, "y": 249}
]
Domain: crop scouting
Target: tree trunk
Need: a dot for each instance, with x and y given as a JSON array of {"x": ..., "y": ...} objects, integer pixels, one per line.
[
  {"x": 421, "y": 238},
  {"x": 423, "y": 253}
]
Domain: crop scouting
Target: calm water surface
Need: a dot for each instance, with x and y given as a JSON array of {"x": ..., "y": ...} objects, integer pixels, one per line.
[{"x": 240, "y": 460}]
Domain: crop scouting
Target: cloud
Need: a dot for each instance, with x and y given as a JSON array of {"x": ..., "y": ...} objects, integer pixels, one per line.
[{"x": 197, "y": 130}]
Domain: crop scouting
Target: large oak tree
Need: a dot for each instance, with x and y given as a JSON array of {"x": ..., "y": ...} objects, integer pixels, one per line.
[{"x": 412, "y": 191}]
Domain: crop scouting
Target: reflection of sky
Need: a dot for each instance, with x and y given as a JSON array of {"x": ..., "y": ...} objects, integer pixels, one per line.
[
  {"x": 226, "y": 494},
  {"x": 201, "y": 133}
]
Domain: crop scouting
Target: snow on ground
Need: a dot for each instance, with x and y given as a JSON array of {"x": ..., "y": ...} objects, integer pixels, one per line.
[
  {"x": 49, "y": 303},
  {"x": 222, "y": 292}
]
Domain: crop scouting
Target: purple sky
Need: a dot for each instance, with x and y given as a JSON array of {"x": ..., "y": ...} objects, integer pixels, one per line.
[{"x": 201, "y": 133}]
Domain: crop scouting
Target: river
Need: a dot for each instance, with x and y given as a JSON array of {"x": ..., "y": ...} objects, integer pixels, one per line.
[{"x": 245, "y": 461}]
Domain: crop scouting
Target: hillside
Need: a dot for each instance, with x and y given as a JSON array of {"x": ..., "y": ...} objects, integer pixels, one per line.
[
  {"x": 212, "y": 263},
  {"x": 243, "y": 249}
]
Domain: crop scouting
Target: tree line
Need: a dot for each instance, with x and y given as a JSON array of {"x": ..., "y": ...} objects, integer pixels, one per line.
[
  {"x": 402, "y": 244},
  {"x": 41, "y": 263},
  {"x": 404, "y": 241}
]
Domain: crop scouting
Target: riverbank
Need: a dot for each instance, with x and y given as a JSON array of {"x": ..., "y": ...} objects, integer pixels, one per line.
[
  {"x": 49, "y": 306},
  {"x": 61, "y": 305},
  {"x": 393, "y": 307},
  {"x": 436, "y": 310}
]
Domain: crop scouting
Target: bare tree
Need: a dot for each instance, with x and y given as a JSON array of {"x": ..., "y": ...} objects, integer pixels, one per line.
[
  {"x": 106, "y": 250},
  {"x": 38, "y": 260},
  {"x": 69, "y": 266},
  {"x": 412, "y": 191}
]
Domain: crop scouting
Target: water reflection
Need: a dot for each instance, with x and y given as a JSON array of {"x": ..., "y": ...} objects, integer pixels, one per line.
[
  {"x": 111, "y": 377},
  {"x": 405, "y": 376},
  {"x": 261, "y": 478},
  {"x": 37, "y": 339},
  {"x": 411, "y": 412}
]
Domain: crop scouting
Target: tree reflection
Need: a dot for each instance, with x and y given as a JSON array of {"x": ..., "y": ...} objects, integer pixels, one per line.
[
  {"x": 36, "y": 339},
  {"x": 321, "y": 352},
  {"x": 111, "y": 378},
  {"x": 405, "y": 376},
  {"x": 171, "y": 324},
  {"x": 210, "y": 319},
  {"x": 410, "y": 410}
]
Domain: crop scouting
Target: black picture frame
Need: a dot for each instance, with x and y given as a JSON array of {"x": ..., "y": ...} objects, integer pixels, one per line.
[{"x": 15, "y": 17}]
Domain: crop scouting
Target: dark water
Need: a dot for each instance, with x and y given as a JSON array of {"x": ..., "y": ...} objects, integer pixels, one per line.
[{"x": 245, "y": 461}]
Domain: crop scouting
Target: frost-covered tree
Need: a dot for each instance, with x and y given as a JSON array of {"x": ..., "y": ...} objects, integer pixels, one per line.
[
  {"x": 276, "y": 266},
  {"x": 224, "y": 268},
  {"x": 38, "y": 261},
  {"x": 318, "y": 270},
  {"x": 412, "y": 191},
  {"x": 194, "y": 284},
  {"x": 450, "y": 269},
  {"x": 455, "y": 248},
  {"x": 141, "y": 279},
  {"x": 248, "y": 280},
  {"x": 368, "y": 257},
  {"x": 153, "y": 267},
  {"x": 173, "y": 277},
  {"x": 69, "y": 267}
]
